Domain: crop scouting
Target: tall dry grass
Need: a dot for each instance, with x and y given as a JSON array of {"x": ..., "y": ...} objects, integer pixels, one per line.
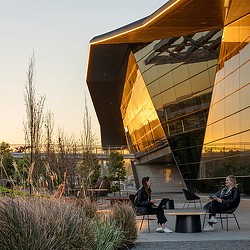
[
  {"x": 89, "y": 206},
  {"x": 44, "y": 224},
  {"x": 37, "y": 224},
  {"x": 125, "y": 218}
]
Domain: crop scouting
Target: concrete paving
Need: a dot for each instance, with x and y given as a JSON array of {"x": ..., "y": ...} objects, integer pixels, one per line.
[{"x": 218, "y": 239}]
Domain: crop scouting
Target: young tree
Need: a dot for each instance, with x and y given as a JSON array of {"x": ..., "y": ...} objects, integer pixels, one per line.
[
  {"x": 67, "y": 157},
  {"x": 88, "y": 138},
  {"x": 6, "y": 161},
  {"x": 116, "y": 167},
  {"x": 89, "y": 167},
  {"x": 49, "y": 129},
  {"x": 34, "y": 117}
]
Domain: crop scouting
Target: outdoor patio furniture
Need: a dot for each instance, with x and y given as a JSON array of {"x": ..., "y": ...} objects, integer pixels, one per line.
[
  {"x": 187, "y": 222},
  {"x": 227, "y": 215},
  {"x": 169, "y": 205},
  {"x": 118, "y": 199},
  {"x": 191, "y": 198},
  {"x": 138, "y": 213}
]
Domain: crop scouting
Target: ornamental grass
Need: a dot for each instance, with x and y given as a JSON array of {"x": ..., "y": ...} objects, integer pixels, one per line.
[
  {"x": 43, "y": 224},
  {"x": 125, "y": 218},
  {"x": 34, "y": 224}
]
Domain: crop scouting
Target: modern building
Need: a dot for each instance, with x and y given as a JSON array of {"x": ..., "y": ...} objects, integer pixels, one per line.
[{"x": 175, "y": 87}]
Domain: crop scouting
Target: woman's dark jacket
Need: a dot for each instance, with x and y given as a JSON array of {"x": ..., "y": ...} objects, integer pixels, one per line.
[
  {"x": 231, "y": 198},
  {"x": 142, "y": 199}
]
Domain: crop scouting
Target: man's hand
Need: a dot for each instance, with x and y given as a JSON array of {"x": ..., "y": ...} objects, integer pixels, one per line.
[{"x": 153, "y": 201}]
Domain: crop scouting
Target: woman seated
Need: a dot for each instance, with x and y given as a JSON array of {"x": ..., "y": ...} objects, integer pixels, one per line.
[
  {"x": 145, "y": 205},
  {"x": 226, "y": 199}
]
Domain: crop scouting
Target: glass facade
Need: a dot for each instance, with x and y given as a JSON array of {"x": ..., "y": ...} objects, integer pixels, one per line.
[
  {"x": 226, "y": 147},
  {"x": 179, "y": 74},
  {"x": 140, "y": 119},
  {"x": 170, "y": 88},
  {"x": 182, "y": 100}
]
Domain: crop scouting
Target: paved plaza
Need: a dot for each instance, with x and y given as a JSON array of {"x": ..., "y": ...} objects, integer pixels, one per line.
[{"x": 218, "y": 239}]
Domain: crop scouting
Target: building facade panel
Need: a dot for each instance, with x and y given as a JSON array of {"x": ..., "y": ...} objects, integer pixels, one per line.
[
  {"x": 226, "y": 144},
  {"x": 184, "y": 90},
  {"x": 179, "y": 73}
]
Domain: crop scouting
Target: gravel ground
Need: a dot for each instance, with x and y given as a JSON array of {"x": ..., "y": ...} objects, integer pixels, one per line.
[{"x": 197, "y": 245}]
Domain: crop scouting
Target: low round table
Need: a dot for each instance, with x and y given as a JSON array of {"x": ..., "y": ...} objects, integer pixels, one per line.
[{"x": 187, "y": 222}]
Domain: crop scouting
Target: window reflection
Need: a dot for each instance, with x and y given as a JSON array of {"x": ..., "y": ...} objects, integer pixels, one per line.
[
  {"x": 227, "y": 139},
  {"x": 179, "y": 73},
  {"x": 138, "y": 112}
]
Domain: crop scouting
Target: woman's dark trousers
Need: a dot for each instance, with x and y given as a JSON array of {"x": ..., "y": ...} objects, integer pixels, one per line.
[
  {"x": 217, "y": 207},
  {"x": 159, "y": 214}
]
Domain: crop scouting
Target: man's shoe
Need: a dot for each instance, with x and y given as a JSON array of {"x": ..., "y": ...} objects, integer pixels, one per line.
[
  {"x": 166, "y": 230},
  {"x": 159, "y": 230},
  {"x": 212, "y": 220},
  {"x": 208, "y": 228}
]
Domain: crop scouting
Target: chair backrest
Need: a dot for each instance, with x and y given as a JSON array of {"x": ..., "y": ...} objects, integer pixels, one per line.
[
  {"x": 229, "y": 211},
  {"x": 190, "y": 196},
  {"x": 132, "y": 199}
]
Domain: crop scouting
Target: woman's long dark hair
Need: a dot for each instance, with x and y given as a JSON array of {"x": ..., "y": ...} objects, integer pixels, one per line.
[{"x": 144, "y": 184}]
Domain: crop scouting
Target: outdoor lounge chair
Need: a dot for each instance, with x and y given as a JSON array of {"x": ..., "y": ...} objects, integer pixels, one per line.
[
  {"x": 225, "y": 217},
  {"x": 191, "y": 198},
  {"x": 132, "y": 200}
]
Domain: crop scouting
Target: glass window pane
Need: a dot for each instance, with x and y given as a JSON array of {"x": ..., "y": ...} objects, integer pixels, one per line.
[
  {"x": 218, "y": 129},
  {"x": 232, "y": 103},
  {"x": 195, "y": 68},
  {"x": 183, "y": 90},
  {"x": 244, "y": 97},
  {"x": 153, "y": 88},
  {"x": 157, "y": 102},
  {"x": 200, "y": 82},
  {"x": 166, "y": 81},
  {"x": 244, "y": 74},
  {"x": 180, "y": 74},
  {"x": 232, "y": 124},
  {"x": 245, "y": 119}
]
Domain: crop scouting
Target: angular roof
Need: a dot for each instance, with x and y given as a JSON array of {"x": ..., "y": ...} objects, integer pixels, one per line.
[{"x": 108, "y": 52}]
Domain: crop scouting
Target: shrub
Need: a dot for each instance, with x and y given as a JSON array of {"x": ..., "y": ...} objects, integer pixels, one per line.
[
  {"x": 107, "y": 234},
  {"x": 39, "y": 224},
  {"x": 89, "y": 207},
  {"x": 13, "y": 193},
  {"x": 125, "y": 218},
  {"x": 44, "y": 224}
]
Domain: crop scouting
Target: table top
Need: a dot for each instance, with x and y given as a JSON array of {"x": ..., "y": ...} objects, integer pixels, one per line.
[
  {"x": 116, "y": 198},
  {"x": 186, "y": 213},
  {"x": 96, "y": 189}
]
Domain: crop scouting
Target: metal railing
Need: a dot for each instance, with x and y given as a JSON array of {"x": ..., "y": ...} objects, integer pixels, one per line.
[{"x": 20, "y": 150}]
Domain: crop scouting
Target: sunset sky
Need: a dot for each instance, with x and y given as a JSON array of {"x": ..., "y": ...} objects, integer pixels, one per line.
[{"x": 59, "y": 32}]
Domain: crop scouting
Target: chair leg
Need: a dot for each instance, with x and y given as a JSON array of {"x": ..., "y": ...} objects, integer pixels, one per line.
[
  {"x": 204, "y": 220},
  {"x": 148, "y": 225},
  {"x": 188, "y": 204},
  {"x": 200, "y": 204},
  {"x": 194, "y": 204},
  {"x": 227, "y": 222},
  {"x": 236, "y": 221},
  {"x": 142, "y": 221},
  {"x": 184, "y": 204},
  {"x": 221, "y": 221}
]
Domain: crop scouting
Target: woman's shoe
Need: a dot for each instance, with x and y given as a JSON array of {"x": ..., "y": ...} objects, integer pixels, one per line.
[
  {"x": 159, "y": 230},
  {"x": 166, "y": 230},
  {"x": 213, "y": 220},
  {"x": 208, "y": 228}
]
